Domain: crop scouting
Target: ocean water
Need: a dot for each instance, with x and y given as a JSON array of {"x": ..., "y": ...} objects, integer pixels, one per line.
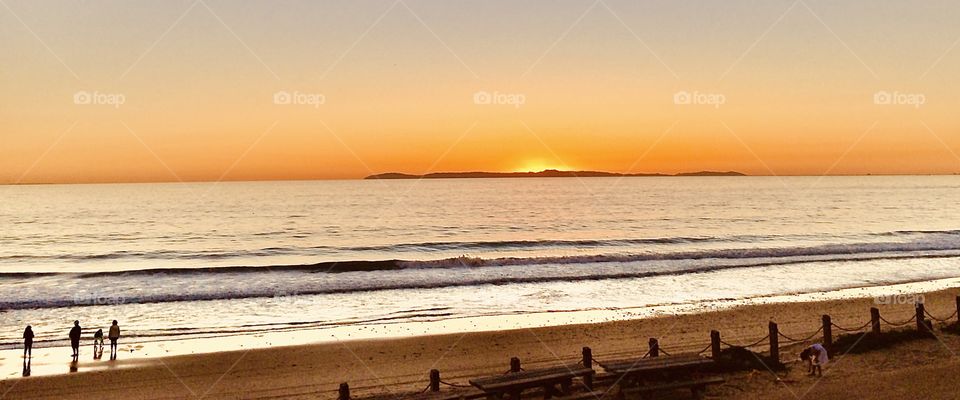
[{"x": 208, "y": 260}]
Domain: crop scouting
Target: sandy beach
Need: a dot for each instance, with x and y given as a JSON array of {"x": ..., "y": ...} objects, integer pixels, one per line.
[
  {"x": 401, "y": 365},
  {"x": 479, "y": 200}
]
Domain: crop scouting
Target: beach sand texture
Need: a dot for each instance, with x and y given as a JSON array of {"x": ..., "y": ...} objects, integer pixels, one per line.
[{"x": 918, "y": 369}]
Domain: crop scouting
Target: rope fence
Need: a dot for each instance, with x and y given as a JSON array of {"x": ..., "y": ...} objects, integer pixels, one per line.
[
  {"x": 712, "y": 349},
  {"x": 940, "y": 319},
  {"x": 857, "y": 329},
  {"x": 705, "y": 349},
  {"x": 912, "y": 319},
  {"x": 761, "y": 340},
  {"x": 790, "y": 339},
  {"x": 647, "y": 354}
]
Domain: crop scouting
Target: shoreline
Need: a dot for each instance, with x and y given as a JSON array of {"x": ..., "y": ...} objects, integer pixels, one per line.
[
  {"x": 152, "y": 348},
  {"x": 612, "y": 300},
  {"x": 373, "y": 359}
]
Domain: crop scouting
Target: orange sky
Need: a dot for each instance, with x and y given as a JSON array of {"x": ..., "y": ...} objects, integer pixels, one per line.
[{"x": 186, "y": 91}]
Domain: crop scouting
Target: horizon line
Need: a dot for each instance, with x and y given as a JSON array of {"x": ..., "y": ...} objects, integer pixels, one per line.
[{"x": 664, "y": 175}]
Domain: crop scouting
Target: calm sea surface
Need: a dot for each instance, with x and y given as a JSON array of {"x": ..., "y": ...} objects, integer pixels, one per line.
[{"x": 334, "y": 253}]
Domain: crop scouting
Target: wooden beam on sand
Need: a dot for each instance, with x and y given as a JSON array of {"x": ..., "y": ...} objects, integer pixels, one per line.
[
  {"x": 875, "y": 320},
  {"x": 774, "y": 342},
  {"x": 715, "y": 345},
  {"x": 588, "y": 363},
  {"x": 434, "y": 380},
  {"x": 921, "y": 316},
  {"x": 958, "y": 309},
  {"x": 828, "y": 334}
]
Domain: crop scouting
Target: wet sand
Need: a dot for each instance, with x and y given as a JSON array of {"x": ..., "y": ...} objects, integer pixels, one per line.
[{"x": 911, "y": 370}]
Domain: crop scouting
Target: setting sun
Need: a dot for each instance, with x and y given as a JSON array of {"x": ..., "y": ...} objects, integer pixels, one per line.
[{"x": 537, "y": 165}]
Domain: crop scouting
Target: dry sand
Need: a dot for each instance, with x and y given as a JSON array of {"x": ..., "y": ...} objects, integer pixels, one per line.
[{"x": 918, "y": 369}]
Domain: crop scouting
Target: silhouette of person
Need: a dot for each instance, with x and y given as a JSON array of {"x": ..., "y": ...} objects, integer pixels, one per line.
[
  {"x": 28, "y": 342},
  {"x": 114, "y": 336},
  {"x": 98, "y": 344},
  {"x": 815, "y": 357},
  {"x": 75, "y": 339}
]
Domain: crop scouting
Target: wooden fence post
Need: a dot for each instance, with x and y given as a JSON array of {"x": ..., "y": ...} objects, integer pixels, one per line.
[
  {"x": 828, "y": 334},
  {"x": 434, "y": 380},
  {"x": 920, "y": 317},
  {"x": 875, "y": 320},
  {"x": 958, "y": 309},
  {"x": 514, "y": 364},
  {"x": 588, "y": 363},
  {"x": 774, "y": 342},
  {"x": 344, "y": 391},
  {"x": 654, "y": 347},
  {"x": 715, "y": 345}
]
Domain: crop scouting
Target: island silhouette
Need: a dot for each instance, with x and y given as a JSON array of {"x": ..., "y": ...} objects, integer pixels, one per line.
[{"x": 547, "y": 173}]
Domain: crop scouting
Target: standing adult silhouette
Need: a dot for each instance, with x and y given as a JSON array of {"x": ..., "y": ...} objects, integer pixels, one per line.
[
  {"x": 75, "y": 339},
  {"x": 114, "y": 337},
  {"x": 28, "y": 342}
]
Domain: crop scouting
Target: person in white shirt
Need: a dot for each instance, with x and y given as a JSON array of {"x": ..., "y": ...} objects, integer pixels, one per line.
[{"x": 815, "y": 357}]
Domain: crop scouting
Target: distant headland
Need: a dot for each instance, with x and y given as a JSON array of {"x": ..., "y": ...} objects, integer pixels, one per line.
[{"x": 547, "y": 173}]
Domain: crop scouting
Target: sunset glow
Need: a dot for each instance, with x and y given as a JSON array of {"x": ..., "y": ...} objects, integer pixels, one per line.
[
  {"x": 542, "y": 165},
  {"x": 176, "y": 91},
  {"x": 226, "y": 199}
]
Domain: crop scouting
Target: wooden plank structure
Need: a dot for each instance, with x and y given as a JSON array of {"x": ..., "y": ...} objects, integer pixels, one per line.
[
  {"x": 514, "y": 383},
  {"x": 642, "y": 366},
  {"x": 643, "y": 375},
  {"x": 696, "y": 386},
  {"x": 472, "y": 394}
]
